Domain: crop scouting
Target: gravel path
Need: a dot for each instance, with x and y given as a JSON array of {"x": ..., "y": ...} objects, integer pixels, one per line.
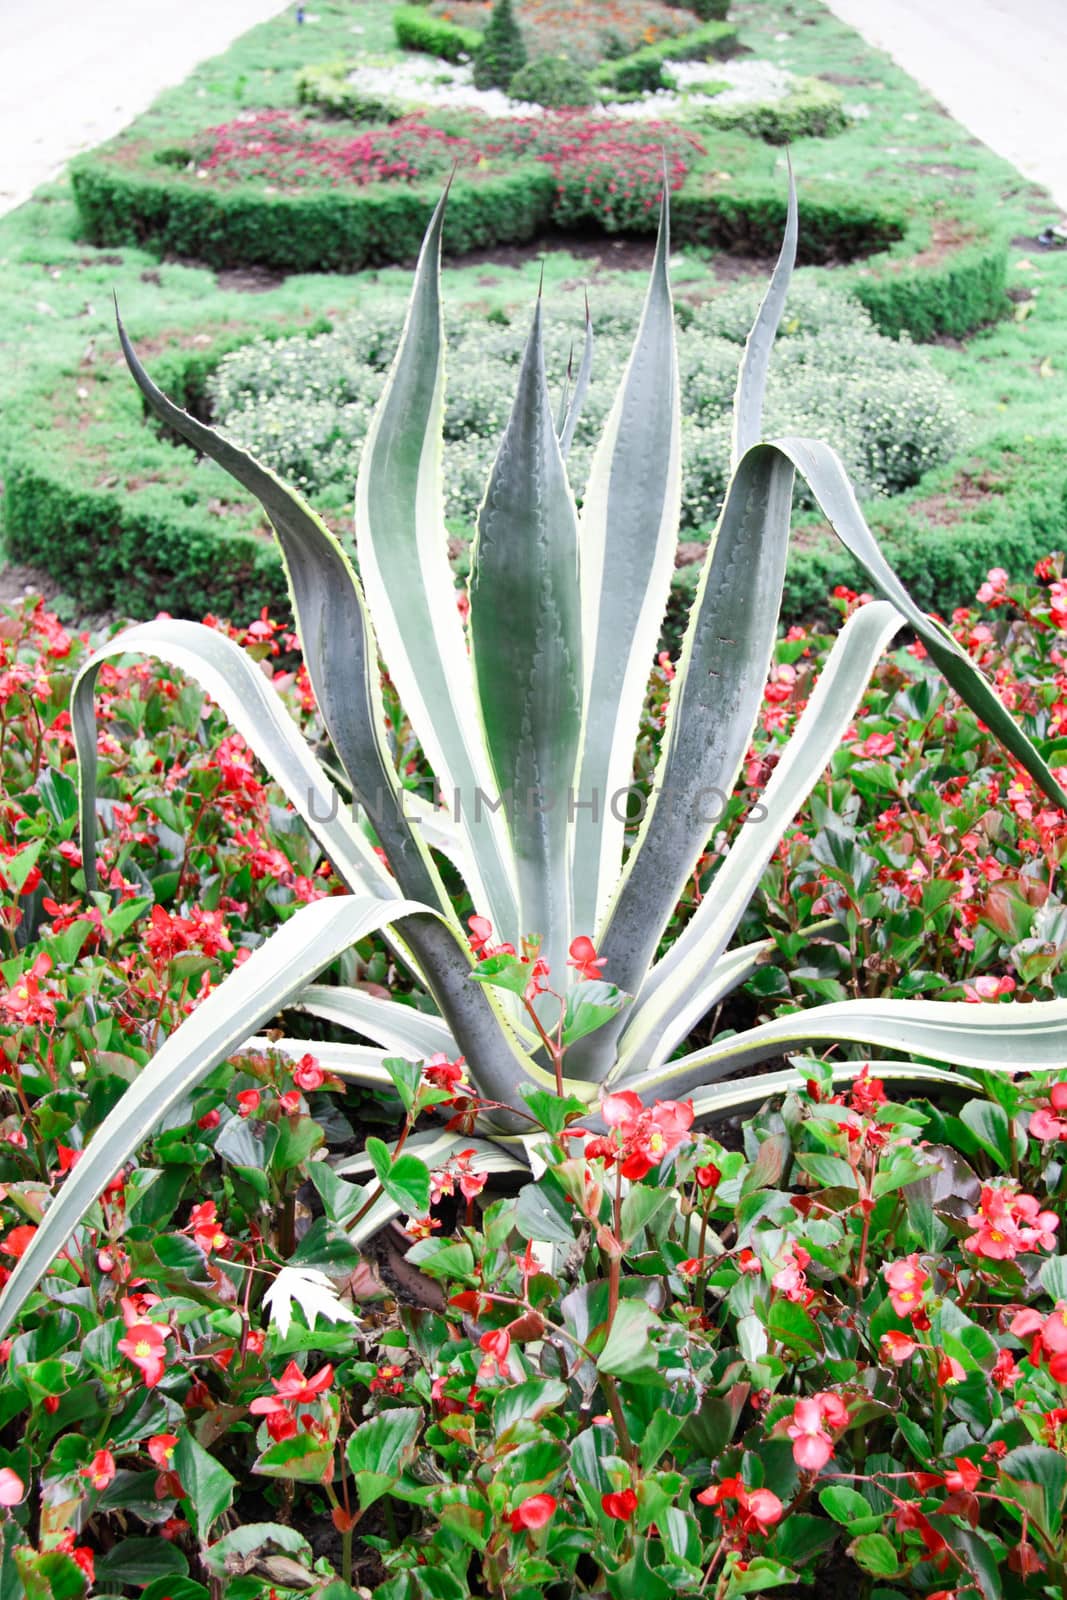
[
  {"x": 998, "y": 66},
  {"x": 77, "y": 71}
]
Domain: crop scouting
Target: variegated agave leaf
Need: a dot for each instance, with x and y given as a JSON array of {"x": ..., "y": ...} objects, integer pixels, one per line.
[{"x": 540, "y": 717}]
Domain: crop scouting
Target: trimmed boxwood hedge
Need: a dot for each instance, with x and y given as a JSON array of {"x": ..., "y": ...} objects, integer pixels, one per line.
[
  {"x": 642, "y": 70},
  {"x": 811, "y": 110},
  {"x": 416, "y": 29},
  {"x": 958, "y": 284},
  {"x": 325, "y": 230}
]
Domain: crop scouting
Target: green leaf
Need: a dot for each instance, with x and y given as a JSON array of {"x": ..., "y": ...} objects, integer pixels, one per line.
[
  {"x": 140, "y": 1561},
  {"x": 759, "y": 1574},
  {"x": 800, "y": 1537},
  {"x": 403, "y": 560},
  {"x": 628, "y": 537},
  {"x": 639, "y": 1207},
  {"x": 659, "y": 1435},
  {"x": 53, "y": 1576},
  {"x": 440, "y": 1259},
  {"x": 304, "y": 1458},
  {"x": 407, "y": 1078},
  {"x": 380, "y": 1449},
  {"x": 405, "y": 1179},
  {"x": 247, "y": 1539},
  {"x": 503, "y": 972},
  {"x": 16, "y": 869},
  {"x": 175, "y": 1589},
  {"x": 1053, "y": 1277},
  {"x": 1038, "y": 1477},
  {"x": 769, "y": 1166},
  {"x": 715, "y": 699},
  {"x": 629, "y": 1350},
  {"x": 273, "y": 975},
  {"x": 759, "y": 346},
  {"x": 552, "y": 1111},
  {"x": 874, "y": 1553},
  {"x": 831, "y": 1171},
  {"x": 992, "y": 1128},
  {"x": 464, "y": 1511},
  {"x": 342, "y": 1200},
  {"x": 849, "y": 1508},
  {"x": 789, "y": 1324},
  {"x": 542, "y": 1213},
  {"x": 527, "y": 1401},
  {"x": 589, "y": 1005},
  {"x": 208, "y": 1486},
  {"x": 673, "y": 998}
]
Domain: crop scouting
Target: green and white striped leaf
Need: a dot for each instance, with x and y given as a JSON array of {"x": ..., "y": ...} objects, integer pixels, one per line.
[
  {"x": 338, "y": 645},
  {"x": 573, "y": 403},
  {"x": 628, "y": 533},
  {"x": 1004, "y": 1037},
  {"x": 403, "y": 561},
  {"x": 255, "y": 709},
  {"x": 341, "y": 657},
  {"x": 714, "y": 703},
  {"x": 673, "y": 999},
  {"x": 527, "y": 649},
  {"x": 253, "y": 993},
  {"x": 825, "y": 475},
  {"x": 356, "y": 1062},
  {"x": 742, "y": 1098},
  {"x": 752, "y": 376},
  {"x": 399, "y": 1029}
]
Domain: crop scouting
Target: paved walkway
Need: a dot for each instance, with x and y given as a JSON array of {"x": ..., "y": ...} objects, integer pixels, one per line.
[
  {"x": 77, "y": 71},
  {"x": 998, "y": 66}
]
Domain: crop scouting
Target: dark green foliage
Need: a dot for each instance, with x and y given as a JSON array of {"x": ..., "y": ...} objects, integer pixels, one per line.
[
  {"x": 416, "y": 29},
  {"x": 552, "y": 81},
  {"x": 643, "y": 70},
  {"x": 113, "y": 550},
  {"x": 322, "y": 231},
  {"x": 962, "y": 291},
  {"x": 1007, "y": 508},
  {"x": 501, "y": 53},
  {"x": 812, "y": 110},
  {"x": 707, "y": 10},
  {"x": 342, "y": 231},
  {"x": 836, "y": 223}
]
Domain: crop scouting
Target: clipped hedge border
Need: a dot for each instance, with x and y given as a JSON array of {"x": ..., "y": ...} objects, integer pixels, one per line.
[
  {"x": 1005, "y": 508},
  {"x": 416, "y": 29},
  {"x": 949, "y": 290},
  {"x": 642, "y": 70},
  {"x": 811, "y": 110},
  {"x": 323, "y": 231}
]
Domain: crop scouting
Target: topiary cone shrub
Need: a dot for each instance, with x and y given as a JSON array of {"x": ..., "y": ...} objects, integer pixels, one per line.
[{"x": 502, "y": 53}]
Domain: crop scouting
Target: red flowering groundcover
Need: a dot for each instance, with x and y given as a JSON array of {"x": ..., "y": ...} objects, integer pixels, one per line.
[
  {"x": 832, "y": 1342},
  {"x": 615, "y": 167}
]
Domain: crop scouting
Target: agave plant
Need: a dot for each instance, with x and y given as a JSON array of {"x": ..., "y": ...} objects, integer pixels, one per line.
[{"x": 528, "y": 718}]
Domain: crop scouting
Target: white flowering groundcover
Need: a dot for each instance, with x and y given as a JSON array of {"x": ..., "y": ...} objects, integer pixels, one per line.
[{"x": 425, "y": 81}]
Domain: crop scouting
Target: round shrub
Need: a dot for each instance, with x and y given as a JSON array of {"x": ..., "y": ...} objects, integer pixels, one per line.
[
  {"x": 303, "y": 405},
  {"x": 501, "y": 53},
  {"x": 552, "y": 81}
]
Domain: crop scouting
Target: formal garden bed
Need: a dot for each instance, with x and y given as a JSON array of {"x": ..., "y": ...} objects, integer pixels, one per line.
[{"x": 301, "y": 1294}]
